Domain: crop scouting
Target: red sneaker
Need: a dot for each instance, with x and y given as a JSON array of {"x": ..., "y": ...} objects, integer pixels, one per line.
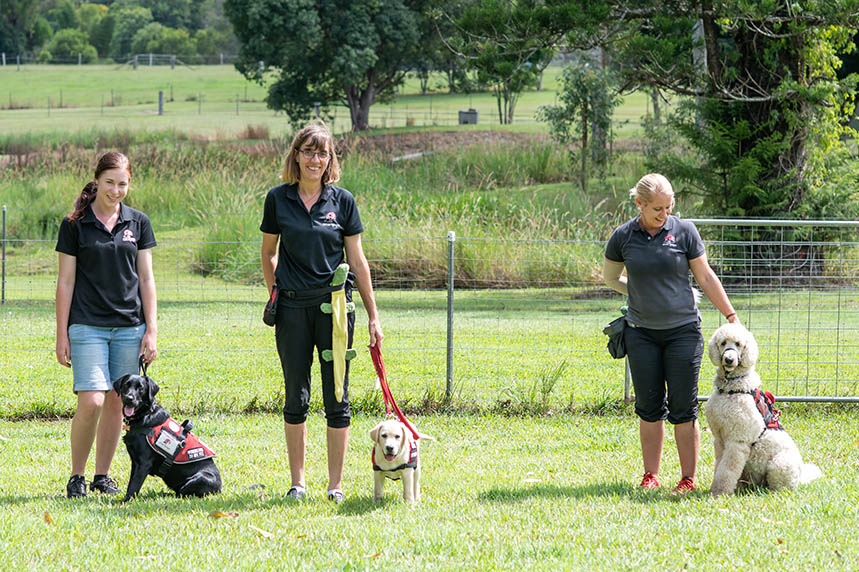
[
  {"x": 686, "y": 484},
  {"x": 650, "y": 482}
]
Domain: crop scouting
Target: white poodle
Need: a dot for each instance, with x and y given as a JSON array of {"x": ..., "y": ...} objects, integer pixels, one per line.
[{"x": 751, "y": 445}]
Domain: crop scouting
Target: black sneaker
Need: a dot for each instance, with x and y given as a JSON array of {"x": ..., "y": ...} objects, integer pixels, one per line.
[
  {"x": 76, "y": 487},
  {"x": 103, "y": 484}
]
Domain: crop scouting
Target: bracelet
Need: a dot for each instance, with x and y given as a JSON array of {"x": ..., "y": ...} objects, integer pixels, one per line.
[{"x": 728, "y": 317}]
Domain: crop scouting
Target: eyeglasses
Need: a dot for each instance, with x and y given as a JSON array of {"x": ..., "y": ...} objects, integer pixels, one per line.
[{"x": 309, "y": 153}]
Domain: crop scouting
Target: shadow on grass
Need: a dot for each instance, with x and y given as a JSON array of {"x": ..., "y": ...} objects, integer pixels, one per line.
[{"x": 615, "y": 489}]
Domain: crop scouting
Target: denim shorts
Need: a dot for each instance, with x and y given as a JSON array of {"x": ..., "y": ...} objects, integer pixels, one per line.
[{"x": 102, "y": 355}]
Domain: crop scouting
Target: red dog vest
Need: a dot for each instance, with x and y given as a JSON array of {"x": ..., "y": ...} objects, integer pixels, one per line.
[
  {"x": 764, "y": 401},
  {"x": 410, "y": 464},
  {"x": 171, "y": 441}
]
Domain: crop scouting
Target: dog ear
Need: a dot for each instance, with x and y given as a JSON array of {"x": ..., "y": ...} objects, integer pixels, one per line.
[
  {"x": 374, "y": 433},
  {"x": 713, "y": 348},
  {"x": 118, "y": 382},
  {"x": 151, "y": 388},
  {"x": 407, "y": 435},
  {"x": 749, "y": 355}
]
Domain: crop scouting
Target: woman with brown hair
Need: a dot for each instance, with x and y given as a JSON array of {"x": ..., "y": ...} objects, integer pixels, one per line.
[
  {"x": 106, "y": 312},
  {"x": 310, "y": 227}
]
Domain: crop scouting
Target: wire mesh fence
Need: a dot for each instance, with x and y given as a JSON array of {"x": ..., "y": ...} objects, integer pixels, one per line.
[{"x": 479, "y": 317}]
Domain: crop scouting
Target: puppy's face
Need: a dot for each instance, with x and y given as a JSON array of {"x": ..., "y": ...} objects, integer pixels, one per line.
[
  {"x": 389, "y": 437},
  {"x": 733, "y": 346},
  {"x": 137, "y": 393}
]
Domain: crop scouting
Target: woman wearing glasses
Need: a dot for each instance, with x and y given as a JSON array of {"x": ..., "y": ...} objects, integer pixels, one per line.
[{"x": 318, "y": 228}]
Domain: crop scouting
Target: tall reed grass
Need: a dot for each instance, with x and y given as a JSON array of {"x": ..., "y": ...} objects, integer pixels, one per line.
[{"x": 520, "y": 194}]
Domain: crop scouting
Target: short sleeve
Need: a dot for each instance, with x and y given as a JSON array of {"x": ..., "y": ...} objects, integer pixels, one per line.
[
  {"x": 269, "y": 215},
  {"x": 147, "y": 236},
  {"x": 352, "y": 225},
  {"x": 67, "y": 239},
  {"x": 694, "y": 243},
  {"x": 614, "y": 248}
]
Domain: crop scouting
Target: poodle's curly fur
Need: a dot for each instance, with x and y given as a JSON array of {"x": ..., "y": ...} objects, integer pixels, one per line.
[{"x": 746, "y": 451}]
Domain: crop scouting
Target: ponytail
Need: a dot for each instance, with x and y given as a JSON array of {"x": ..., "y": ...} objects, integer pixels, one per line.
[{"x": 84, "y": 200}]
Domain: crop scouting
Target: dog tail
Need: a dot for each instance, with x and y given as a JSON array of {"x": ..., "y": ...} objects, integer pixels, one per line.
[
  {"x": 427, "y": 437},
  {"x": 809, "y": 472}
]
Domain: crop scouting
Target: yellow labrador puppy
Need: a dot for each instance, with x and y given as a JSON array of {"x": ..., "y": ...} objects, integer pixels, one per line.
[{"x": 395, "y": 456}]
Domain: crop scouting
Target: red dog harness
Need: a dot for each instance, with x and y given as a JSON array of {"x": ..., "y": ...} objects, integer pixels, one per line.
[
  {"x": 410, "y": 464},
  {"x": 175, "y": 443},
  {"x": 765, "y": 403}
]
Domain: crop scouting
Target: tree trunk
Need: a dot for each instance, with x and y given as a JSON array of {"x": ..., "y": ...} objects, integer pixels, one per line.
[
  {"x": 584, "y": 150},
  {"x": 360, "y": 101},
  {"x": 657, "y": 110}
]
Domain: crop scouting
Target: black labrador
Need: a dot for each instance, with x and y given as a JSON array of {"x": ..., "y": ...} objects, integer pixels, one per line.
[{"x": 160, "y": 446}]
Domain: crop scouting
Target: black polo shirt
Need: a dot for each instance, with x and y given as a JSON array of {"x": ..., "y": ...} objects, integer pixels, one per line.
[
  {"x": 657, "y": 268},
  {"x": 107, "y": 290},
  {"x": 311, "y": 243}
]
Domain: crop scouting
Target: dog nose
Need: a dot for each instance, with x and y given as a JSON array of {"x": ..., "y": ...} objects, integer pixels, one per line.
[{"x": 729, "y": 359}]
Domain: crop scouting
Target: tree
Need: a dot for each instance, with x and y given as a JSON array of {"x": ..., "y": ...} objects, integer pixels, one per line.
[
  {"x": 91, "y": 16},
  {"x": 764, "y": 110},
  {"x": 102, "y": 34},
  {"x": 510, "y": 43},
  {"x": 17, "y": 19},
  {"x": 63, "y": 16},
  {"x": 328, "y": 51},
  {"x": 128, "y": 20},
  {"x": 175, "y": 13},
  {"x": 767, "y": 108},
  {"x": 587, "y": 99},
  {"x": 67, "y": 44},
  {"x": 157, "y": 39}
]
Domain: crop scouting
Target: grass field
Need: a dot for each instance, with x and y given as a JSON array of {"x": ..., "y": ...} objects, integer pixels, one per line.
[
  {"x": 499, "y": 493},
  {"x": 202, "y": 101},
  {"x": 537, "y": 455}
]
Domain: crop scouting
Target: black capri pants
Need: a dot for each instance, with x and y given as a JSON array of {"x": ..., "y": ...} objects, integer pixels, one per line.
[
  {"x": 298, "y": 331},
  {"x": 660, "y": 359}
]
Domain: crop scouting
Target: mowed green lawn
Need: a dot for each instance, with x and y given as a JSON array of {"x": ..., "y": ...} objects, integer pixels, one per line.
[
  {"x": 499, "y": 493},
  {"x": 202, "y": 101}
]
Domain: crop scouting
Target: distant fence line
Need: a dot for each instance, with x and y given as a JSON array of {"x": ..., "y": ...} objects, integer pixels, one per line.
[
  {"x": 795, "y": 284},
  {"x": 8, "y": 59}
]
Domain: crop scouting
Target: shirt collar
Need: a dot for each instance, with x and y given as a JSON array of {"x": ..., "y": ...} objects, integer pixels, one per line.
[
  {"x": 124, "y": 214},
  {"x": 668, "y": 226},
  {"x": 292, "y": 192}
]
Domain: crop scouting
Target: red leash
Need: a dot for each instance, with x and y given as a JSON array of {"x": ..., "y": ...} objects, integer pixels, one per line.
[{"x": 379, "y": 364}]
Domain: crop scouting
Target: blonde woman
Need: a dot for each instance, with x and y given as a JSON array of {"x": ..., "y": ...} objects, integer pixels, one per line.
[{"x": 663, "y": 338}]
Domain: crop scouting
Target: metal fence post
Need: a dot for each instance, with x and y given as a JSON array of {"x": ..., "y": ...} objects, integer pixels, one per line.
[
  {"x": 451, "y": 239},
  {"x": 3, "y": 278}
]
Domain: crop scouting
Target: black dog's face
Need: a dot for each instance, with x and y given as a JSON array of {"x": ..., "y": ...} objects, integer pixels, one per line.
[{"x": 137, "y": 393}]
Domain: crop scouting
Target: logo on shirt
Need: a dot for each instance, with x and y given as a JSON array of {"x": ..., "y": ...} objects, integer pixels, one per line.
[
  {"x": 669, "y": 241},
  {"x": 330, "y": 219},
  {"x": 128, "y": 236}
]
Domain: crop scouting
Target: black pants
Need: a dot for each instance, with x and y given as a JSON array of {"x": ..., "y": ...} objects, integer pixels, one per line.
[
  {"x": 665, "y": 359},
  {"x": 298, "y": 331}
]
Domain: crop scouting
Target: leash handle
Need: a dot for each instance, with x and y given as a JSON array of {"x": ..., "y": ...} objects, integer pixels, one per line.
[
  {"x": 141, "y": 364},
  {"x": 379, "y": 364}
]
